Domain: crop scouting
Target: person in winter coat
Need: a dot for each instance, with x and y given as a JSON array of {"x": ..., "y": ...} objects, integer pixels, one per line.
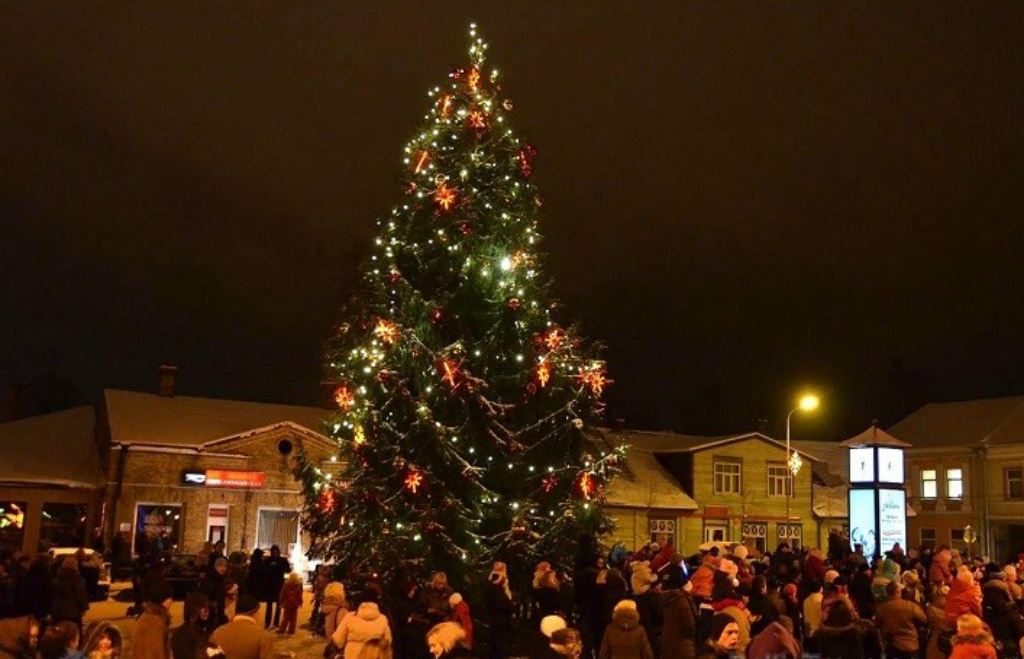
[
  {"x": 290, "y": 601},
  {"x": 762, "y": 610},
  {"x": 567, "y": 643},
  {"x": 243, "y": 638},
  {"x": 971, "y": 640},
  {"x": 642, "y": 578},
  {"x": 19, "y": 637},
  {"x": 612, "y": 590},
  {"x": 547, "y": 591},
  {"x": 255, "y": 583},
  {"x": 723, "y": 635},
  {"x": 334, "y": 606},
  {"x": 365, "y": 623},
  {"x": 446, "y": 640},
  {"x": 679, "y": 616},
  {"x": 1010, "y": 576},
  {"x": 276, "y": 568},
  {"x": 624, "y": 638},
  {"x": 964, "y": 597},
  {"x": 498, "y": 613},
  {"x": 61, "y": 641},
  {"x": 151, "y": 639},
  {"x": 460, "y": 614},
  {"x": 899, "y": 620},
  {"x": 837, "y": 636},
  {"x": 189, "y": 641},
  {"x": 1000, "y": 613},
  {"x": 435, "y": 596},
  {"x": 774, "y": 642},
  {"x": 939, "y": 574},
  {"x": 70, "y": 597},
  {"x": 214, "y": 586}
]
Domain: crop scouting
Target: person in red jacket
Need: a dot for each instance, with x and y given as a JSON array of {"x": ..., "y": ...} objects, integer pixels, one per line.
[
  {"x": 460, "y": 614},
  {"x": 290, "y": 601},
  {"x": 964, "y": 597},
  {"x": 972, "y": 640}
]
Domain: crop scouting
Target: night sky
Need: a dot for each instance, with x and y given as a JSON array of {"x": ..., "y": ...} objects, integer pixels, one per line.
[{"x": 741, "y": 199}]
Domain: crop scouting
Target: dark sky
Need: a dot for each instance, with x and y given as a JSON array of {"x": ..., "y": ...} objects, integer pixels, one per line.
[{"x": 742, "y": 199}]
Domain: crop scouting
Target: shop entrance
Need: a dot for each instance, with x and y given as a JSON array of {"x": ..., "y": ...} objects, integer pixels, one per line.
[{"x": 217, "y": 523}]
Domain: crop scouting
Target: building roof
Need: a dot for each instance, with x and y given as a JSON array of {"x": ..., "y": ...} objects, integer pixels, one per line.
[
  {"x": 144, "y": 418},
  {"x": 646, "y": 484},
  {"x": 966, "y": 423},
  {"x": 873, "y": 436},
  {"x": 669, "y": 442},
  {"x": 53, "y": 449},
  {"x": 833, "y": 467}
]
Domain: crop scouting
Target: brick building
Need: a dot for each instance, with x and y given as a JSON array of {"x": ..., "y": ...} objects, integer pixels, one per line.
[{"x": 184, "y": 470}]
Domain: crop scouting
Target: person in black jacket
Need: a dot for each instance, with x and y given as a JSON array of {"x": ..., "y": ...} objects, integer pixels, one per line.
[
  {"x": 276, "y": 568},
  {"x": 191, "y": 639},
  {"x": 214, "y": 586},
  {"x": 498, "y": 612},
  {"x": 679, "y": 615},
  {"x": 70, "y": 599}
]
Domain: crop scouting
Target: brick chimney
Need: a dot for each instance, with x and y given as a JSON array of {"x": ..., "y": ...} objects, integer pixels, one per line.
[
  {"x": 168, "y": 380},
  {"x": 15, "y": 403}
]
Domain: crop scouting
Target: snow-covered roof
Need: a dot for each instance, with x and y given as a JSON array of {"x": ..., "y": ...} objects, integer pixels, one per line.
[
  {"x": 646, "y": 484},
  {"x": 670, "y": 442},
  {"x": 967, "y": 423},
  {"x": 874, "y": 436},
  {"x": 53, "y": 449},
  {"x": 143, "y": 418},
  {"x": 834, "y": 465}
]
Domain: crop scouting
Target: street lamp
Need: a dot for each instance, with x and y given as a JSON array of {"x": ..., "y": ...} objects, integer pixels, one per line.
[{"x": 793, "y": 461}]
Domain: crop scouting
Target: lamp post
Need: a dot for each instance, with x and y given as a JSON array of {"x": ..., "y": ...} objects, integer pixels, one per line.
[{"x": 793, "y": 461}]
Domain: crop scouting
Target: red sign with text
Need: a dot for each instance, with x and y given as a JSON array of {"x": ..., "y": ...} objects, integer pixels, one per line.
[{"x": 227, "y": 478}]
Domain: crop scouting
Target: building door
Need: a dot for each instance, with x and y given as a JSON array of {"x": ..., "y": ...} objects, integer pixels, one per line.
[
  {"x": 217, "y": 523},
  {"x": 716, "y": 531},
  {"x": 277, "y": 526}
]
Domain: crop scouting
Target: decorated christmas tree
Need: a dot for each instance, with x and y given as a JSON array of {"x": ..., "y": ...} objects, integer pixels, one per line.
[{"x": 466, "y": 410}]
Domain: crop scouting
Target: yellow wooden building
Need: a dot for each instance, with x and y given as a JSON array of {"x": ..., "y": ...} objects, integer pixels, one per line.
[{"x": 693, "y": 489}]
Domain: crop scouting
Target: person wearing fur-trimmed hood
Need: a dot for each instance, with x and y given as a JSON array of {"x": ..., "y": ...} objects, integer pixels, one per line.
[{"x": 625, "y": 638}]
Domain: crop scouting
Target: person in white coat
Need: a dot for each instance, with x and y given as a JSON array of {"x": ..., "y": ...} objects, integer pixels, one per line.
[{"x": 359, "y": 626}]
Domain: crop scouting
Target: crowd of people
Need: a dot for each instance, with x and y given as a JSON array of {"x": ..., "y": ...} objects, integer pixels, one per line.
[{"x": 725, "y": 601}]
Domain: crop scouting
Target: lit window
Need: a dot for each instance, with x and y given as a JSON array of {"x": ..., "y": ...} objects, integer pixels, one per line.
[
  {"x": 929, "y": 484},
  {"x": 727, "y": 477},
  {"x": 955, "y": 483},
  {"x": 1013, "y": 483},
  {"x": 778, "y": 480}
]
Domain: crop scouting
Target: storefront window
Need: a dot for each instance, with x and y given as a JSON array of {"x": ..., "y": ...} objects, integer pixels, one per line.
[
  {"x": 157, "y": 528},
  {"x": 277, "y": 527},
  {"x": 63, "y": 525},
  {"x": 12, "y": 524}
]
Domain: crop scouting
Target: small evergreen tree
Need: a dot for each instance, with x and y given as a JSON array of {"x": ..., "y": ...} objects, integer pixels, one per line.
[{"x": 465, "y": 410}]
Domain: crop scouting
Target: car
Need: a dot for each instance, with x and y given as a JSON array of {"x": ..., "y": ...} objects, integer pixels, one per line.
[
  {"x": 95, "y": 570},
  {"x": 182, "y": 572}
]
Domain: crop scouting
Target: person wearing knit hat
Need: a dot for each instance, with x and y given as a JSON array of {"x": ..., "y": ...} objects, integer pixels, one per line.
[
  {"x": 723, "y": 636},
  {"x": 830, "y": 576},
  {"x": 243, "y": 637},
  {"x": 625, "y": 637}
]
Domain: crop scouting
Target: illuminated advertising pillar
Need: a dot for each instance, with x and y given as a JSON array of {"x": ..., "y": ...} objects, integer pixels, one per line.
[{"x": 877, "y": 496}]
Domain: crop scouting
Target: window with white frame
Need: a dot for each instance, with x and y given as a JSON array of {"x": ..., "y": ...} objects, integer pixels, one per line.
[
  {"x": 929, "y": 484},
  {"x": 1013, "y": 483},
  {"x": 955, "y": 483},
  {"x": 778, "y": 480},
  {"x": 727, "y": 477}
]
